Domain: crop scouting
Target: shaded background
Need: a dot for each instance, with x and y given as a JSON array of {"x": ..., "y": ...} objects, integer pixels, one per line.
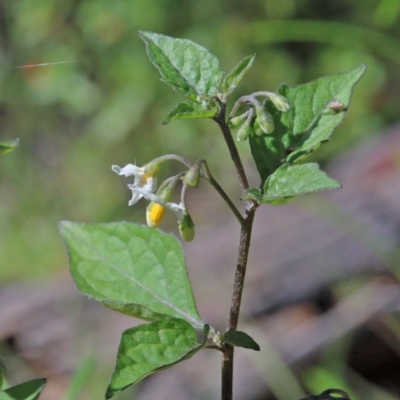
[{"x": 75, "y": 120}]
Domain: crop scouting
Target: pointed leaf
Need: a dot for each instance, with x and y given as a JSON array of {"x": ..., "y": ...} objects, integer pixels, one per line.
[
  {"x": 317, "y": 108},
  {"x": 25, "y": 391},
  {"x": 232, "y": 79},
  {"x": 134, "y": 269},
  {"x": 184, "y": 65},
  {"x": 293, "y": 180},
  {"x": 8, "y": 145},
  {"x": 240, "y": 339},
  {"x": 189, "y": 109},
  {"x": 148, "y": 348}
]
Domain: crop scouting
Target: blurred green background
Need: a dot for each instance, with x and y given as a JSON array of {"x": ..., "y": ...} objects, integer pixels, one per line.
[
  {"x": 75, "y": 120},
  {"x": 105, "y": 107}
]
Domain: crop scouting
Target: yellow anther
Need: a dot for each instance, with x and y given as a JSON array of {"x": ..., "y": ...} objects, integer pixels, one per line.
[{"x": 154, "y": 214}]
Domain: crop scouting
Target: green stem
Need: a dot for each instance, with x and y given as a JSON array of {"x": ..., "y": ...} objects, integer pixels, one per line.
[
  {"x": 208, "y": 176},
  {"x": 221, "y": 192}
]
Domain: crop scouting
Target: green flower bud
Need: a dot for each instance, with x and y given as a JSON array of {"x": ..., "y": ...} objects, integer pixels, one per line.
[
  {"x": 192, "y": 176},
  {"x": 280, "y": 102},
  {"x": 244, "y": 132},
  {"x": 264, "y": 120},
  {"x": 186, "y": 227},
  {"x": 256, "y": 128},
  {"x": 238, "y": 120}
]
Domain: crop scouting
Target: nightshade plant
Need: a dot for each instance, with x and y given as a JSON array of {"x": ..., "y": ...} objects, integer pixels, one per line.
[{"x": 139, "y": 270}]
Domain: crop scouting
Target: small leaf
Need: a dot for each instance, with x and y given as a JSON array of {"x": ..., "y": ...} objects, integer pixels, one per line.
[
  {"x": 185, "y": 66},
  {"x": 253, "y": 194},
  {"x": 8, "y": 145},
  {"x": 240, "y": 339},
  {"x": 189, "y": 109},
  {"x": 133, "y": 269},
  {"x": 232, "y": 79},
  {"x": 25, "y": 391},
  {"x": 316, "y": 110},
  {"x": 146, "y": 349},
  {"x": 292, "y": 180}
]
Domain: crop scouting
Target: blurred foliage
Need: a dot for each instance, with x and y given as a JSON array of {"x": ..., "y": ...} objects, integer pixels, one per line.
[{"x": 105, "y": 106}]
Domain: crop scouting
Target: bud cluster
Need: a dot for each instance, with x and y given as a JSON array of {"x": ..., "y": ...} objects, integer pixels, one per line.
[{"x": 257, "y": 119}]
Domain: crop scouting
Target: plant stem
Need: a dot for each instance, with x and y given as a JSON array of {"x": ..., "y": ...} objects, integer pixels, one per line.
[
  {"x": 243, "y": 253},
  {"x": 220, "y": 119},
  {"x": 206, "y": 174},
  {"x": 244, "y": 247},
  {"x": 221, "y": 192}
]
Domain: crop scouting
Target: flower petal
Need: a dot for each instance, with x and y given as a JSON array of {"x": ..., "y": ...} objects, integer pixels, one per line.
[
  {"x": 136, "y": 196},
  {"x": 128, "y": 170},
  {"x": 178, "y": 209}
]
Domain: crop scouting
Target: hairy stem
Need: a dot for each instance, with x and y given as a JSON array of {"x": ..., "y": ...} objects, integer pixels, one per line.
[
  {"x": 221, "y": 192},
  {"x": 244, "y": 247},
  {"x": 206, "y": 174},
  {"x": 220, "y": 119},
  {"x": 243, "y": 253}
]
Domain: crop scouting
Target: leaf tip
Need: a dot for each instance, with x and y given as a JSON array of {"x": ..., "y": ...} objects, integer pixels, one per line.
[
  {"x": 64, "y": 225},
  {"x": 110, "y": 392}
]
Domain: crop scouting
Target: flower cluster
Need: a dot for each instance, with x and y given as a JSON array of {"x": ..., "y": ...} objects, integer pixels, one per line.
[{"x": 145, "y": 185}]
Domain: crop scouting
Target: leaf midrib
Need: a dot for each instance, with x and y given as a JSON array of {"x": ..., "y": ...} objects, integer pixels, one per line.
[{"x": 100, "y": 257}]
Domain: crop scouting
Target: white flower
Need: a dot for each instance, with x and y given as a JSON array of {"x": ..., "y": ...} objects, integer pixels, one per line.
[
  {"x": 155, "y": 211},
  {"x": 145, "y": 178}
]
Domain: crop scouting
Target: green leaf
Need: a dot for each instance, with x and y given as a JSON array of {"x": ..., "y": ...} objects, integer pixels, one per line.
[
  {"x": 232, "y": 79},
  {"x": 240, "y": 339},
  {"x": 8, "y": 145},
  {"x": 292, "y": 180},
  {"x": 3, "y": 370},
  {"x": 317, "y": 108},
  {"x": 133, "y": 269},
  {"x": 25, "y": 391},
  {"x": 146, "y": 349},
  {"x": 190, "y": 110},
  {"x": 187, "y": 67}
]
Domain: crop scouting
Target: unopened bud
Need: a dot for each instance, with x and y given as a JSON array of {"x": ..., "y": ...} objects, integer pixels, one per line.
[
  {"x": 280, "y": 102},
  {"x": 186, "y": 228},
  {"x": 244, "y": 132},
  {"x": 257, "y": 130},
  {"x": 264, "y": 120},
  {"x": 192, "y": 176},
  {"x": 238, "y": 120}
]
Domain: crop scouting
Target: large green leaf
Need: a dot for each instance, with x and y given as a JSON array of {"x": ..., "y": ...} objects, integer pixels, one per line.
[
  {"x": 25, "y": 391},
  {"x": 134, "y": 269},
  {"x": 317, "y": 108},
  {"x": 232, "y": 79},
  {"x": 184, "y": 65},
  {"x": 148, "y": 348},
  {"x": 190, "y": 110},
  {"x": 293, "y": 180},
  {"x": 8, "y": 145}
]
